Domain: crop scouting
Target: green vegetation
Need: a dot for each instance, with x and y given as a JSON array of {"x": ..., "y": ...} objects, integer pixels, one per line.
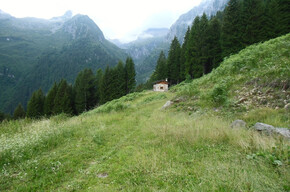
[
  {"x": 259, "y": 75},
  {"x": 131, "y": 144},
  {"x": 37, "y": 53},
  {"x": 209, "y": 40},
  {"x": 88, "y": 91}
]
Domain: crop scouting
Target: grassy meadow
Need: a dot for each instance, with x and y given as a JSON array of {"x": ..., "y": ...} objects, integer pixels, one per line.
[
  {"x": 139, "y": 148},
  {"x": 131, "y": 144}
]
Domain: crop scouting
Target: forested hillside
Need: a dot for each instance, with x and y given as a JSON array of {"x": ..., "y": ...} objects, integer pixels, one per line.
[
  {"x": 35, "y": 53},
  {"x": 208, "y": 41}
]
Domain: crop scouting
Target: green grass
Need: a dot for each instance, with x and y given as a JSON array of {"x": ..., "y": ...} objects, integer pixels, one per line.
[
  {"x": 139, "y": 148},
  {"x": 260, "y": 74},
  {"x": 130, "y": 144}
]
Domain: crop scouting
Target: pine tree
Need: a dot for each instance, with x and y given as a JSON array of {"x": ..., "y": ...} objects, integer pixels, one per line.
[
  {"x": 107, "y": 83},
  {"x": 84, "y": 89},
  {"x": 49, "y": 100},
  {"x": 193, "y": 65},
  {"x": 183, "y": 71},
  {"x": 119, "y": 83},
  {"x": 99, "y": 88},
  {"x": 252, "y": 20},
  {"x": 19, "y": 112},
  {"x": 130, "y": 75},
  {"x": 63, "y": 102},
  {"x": 271, "y": 25},
  {"x": 35, "y": 104},
  {"x": 284, "y": 17},
  {"x": 214, "y": 44},
  {"x": 174, "y": 61},
  {"x": 232, "y": 28},
  {"x": 203, "y": 37},
  {"x": 161, "y": 67}
]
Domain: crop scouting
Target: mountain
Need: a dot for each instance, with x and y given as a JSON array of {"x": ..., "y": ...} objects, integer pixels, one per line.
[
  {"x": 36, "y": 52},
  {"x": 209, "y": 7},
  {"x": 145, "y": 51},
  {"x": 130, "y": 144},
  {"x": 147, "y": 43}
]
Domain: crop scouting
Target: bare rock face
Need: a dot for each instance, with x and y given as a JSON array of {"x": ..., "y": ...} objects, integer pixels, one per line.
[{"x": 238, "y": 124}]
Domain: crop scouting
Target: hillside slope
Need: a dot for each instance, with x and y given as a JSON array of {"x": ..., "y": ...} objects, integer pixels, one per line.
[
  {"x": 35, "y": 53},
  {"x": 130, "y": 144}
]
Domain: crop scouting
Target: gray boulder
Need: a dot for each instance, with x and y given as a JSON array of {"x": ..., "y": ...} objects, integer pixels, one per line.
[
  {"x": 269, "y": 129},
  {"x": 283, "y": 131},
  {"x": 238, "y": 124},
  {"x": 167, "y": 104}
]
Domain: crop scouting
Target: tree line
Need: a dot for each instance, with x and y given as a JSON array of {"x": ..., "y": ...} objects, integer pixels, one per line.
[
  {"x": 89, "y": 90},
  {"x": 209, "y": 40}
]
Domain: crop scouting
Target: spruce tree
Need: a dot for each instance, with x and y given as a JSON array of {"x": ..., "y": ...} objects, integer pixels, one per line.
[
  {"x": 35, "y": 104},
  {"x": 232, "y": 28},
  {"x": 183, "y": 71},
  {"x": 107, "y": 83},
  {"x": 203, "y": 37},
  {"x": 271, "y": 25},
  {"x": 130, "y": 75},
  {"x": 193, "y": 65},
  {"x": 214, "y": 44},
  {"x": 253, "y": 21},
  {"x": 119, "y": 82},
  {"x": 49, "y": 100},
  {"x": 174, "y": 61},
  {"x": 161, "y": 67},
  {"x": 19, "y": 112},
  {"x": 63, "y": 102},
  {"x": 99, "y": 88},
  {"x": 284, "y": 17},
  {"x": 84, "y": 89}
]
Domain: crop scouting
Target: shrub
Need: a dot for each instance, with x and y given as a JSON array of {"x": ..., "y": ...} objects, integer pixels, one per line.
[{"x": 219, "y": 94}]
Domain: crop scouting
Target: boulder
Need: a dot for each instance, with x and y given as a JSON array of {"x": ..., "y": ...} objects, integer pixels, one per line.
[
  {"x": 179, "y": 99},
  {"x": 287, "y": 107},
  {"x": 238, "y": 124},
  {"x": 269, "y": 129},
  {"x": 283, "y": 131},
  {"x": 167, "y": 104},
  {"x": 262, "y": 127}
]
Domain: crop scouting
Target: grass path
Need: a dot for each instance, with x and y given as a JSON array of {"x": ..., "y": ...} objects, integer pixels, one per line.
[{"x": 143, "y": 148}]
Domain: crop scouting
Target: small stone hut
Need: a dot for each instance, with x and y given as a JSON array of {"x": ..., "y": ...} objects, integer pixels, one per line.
[{"x": 161, "y": 85}]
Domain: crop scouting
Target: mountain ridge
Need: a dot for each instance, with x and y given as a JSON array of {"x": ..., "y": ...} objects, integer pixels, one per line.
[{"x": 25, "y": 42}]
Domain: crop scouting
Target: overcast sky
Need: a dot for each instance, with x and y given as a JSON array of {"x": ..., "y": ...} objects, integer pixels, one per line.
[{"x": 118, "y": 19}]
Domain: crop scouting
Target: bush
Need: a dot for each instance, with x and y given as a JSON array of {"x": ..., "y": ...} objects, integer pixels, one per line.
[{"x": 219, "y": 94}]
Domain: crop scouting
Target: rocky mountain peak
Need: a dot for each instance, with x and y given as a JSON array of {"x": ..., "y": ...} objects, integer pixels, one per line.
[{"x": 81, "y": 26}]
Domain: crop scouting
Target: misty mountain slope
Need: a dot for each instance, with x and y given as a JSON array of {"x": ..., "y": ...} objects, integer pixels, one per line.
[
  {"x": 209, "y": 7},
  {"x": 36, "y": 52},
  {"x": 148, "y": 44},
  {"x": 146, "y": 54}
]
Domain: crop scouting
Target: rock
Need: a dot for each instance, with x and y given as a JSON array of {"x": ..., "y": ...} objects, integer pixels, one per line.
[
  {"x": 262, "y": 127},
  {"x": 287, "y": 107},
  {"x": 269, "y": 129},
  {"x": 102, "y": 175},
  {"x": 243, "y": 99},
  {"x": 277, "y": 108},
  {"x": 283, "y": 131},
  {"x": 167, "y": 104},
  {"x": 238, "y": 124},
  {"x": 179, "y": 99},
  {"x": 190, "y": 108}
]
